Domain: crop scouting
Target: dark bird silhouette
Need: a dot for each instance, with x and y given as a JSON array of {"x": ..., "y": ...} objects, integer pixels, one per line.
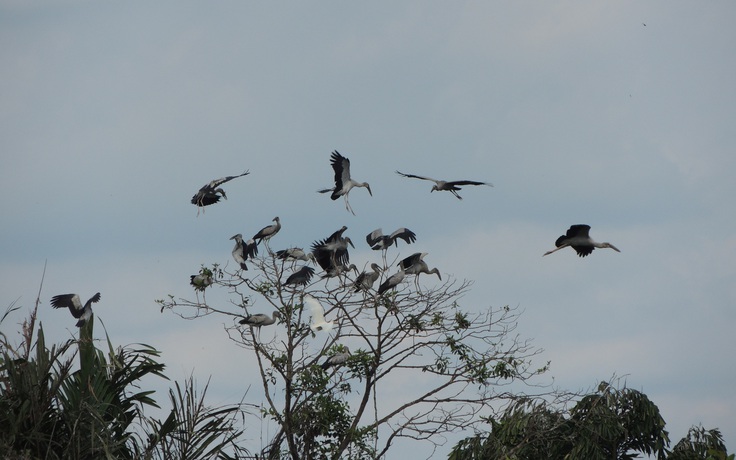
[
  {"x": 392, "y": 281},
  {"x": 74, "y": 304},
  {"x": 343, "y": 182},
  {"x": 331, "y": 253},
  {"x": 578, "y": 238},
  {"x": 378, "y": 241},
  {"x": 208, "y": 194},
  {"x": 449, "y": 186},
  {"x": 300, "y": 277},
  {"x": 365, "y": 280}
]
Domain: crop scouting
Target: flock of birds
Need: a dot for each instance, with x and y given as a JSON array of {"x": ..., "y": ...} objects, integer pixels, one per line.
[{"x": 331, "y": 253}]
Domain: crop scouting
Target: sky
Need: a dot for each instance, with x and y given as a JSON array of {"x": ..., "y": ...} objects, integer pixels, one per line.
[{"x": 614, "y": 114}]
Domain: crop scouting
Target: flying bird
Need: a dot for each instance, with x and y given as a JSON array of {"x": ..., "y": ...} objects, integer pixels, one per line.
[
  {"x": 343, "y": 182},
  {"x": 317, "y": 312},
  {"x": 366, "y": 279},
  {"x": 244, "y": 250},
  {"x": 415, "y": 264},
  {"x": 578, "y": 238},
  {"x": 208, "y": 194},
  {"x": 450, "y": 186},
  {"x": 378, "y": 241},
  {"x": 337, "y": 359},
  {"x": 266, "y": 233},
  {"x": 72, "y": 301},
  {"x": 331, "y": 253},
  {"x": 300, "y": 277}
]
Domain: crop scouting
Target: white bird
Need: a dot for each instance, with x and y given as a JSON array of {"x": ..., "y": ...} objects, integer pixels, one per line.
[
  {"x": 243, "y": 250},
  {"x": 377, "y": 240},
  {"x": 449, "y": 186},
  {"x": 337, "y": 359},
  {"x": 365, "y": 280},
  {"x": 343, "y": 182},
  {"x": 208, "y": 194},
  {"x": 72, "y": 301},
  {"x": 300, "y": 277},
  {"x": 317, "y": 312},
  {"x": 578, "y": 238},
  {"x": 266, "y": 233},
  {"x": 392, "y": 281},
  {"x": 415, "y": 264},
  {"x": 260, "y": 319}
]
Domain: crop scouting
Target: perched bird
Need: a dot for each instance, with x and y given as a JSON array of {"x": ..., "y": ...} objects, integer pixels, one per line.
[
  {"x": 208, "y": 194},
  {"x": 300, "y": 277},
  {"x": 343, "y": 182},
  {"x": 450, "y": 186},
  {"x": 392, "y": 281},
  {"x": 415, "y": 264},
  {"x": 317, "y": 312},
  {"x": 295, "y": 254},
  {"x": 378, "y": 241},
  {"x": 337, "y": 270},
  {"x": 337, "y": 359},
  {"x": 366, "y": 279},
  {"x": 266, "y": 233},
  {"x": 72, "y": 301},
  {"x": 244, "y": 250},
  {"x": 260, "y": 319},
  {"x": 201, "y": 281},
  {"x": 577, "y": 237}
]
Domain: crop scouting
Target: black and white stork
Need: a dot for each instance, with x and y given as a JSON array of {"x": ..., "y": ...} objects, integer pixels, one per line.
[
  {"x": 378, "y": 241},
  {"x": 392, "y": 281},
  {"x": 449, "y": 186},
  {"x": 71, "y": 301},
  {"x": 366, "y": 279},
  {"x": 343, "y": 182},
  {"x": 332, "y": 254},
  {"x": 201, "y": 281},
  {"x": 244, "y": 250},
  {"x": 208, "y": 194},
  {"x": 266, "y": 233},
  {"x": 578, "y": 238},
  {"x": 415, "y": 264}
]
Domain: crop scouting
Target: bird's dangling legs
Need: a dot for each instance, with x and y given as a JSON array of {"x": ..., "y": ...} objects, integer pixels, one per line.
[{"x": 347, "y": 205}]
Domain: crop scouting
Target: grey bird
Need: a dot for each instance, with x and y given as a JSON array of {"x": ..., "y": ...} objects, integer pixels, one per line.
[
  {"x": 208, "y": 194},
  {"x": 337, "y": 359},
  {"x": 578, "y": 238},
  {"x": 449, "y": 186}
]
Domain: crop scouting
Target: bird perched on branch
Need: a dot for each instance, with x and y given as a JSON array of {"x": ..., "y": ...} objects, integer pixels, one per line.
[
  {"x": 343, "y": 182},
  {"x": 266, "y": 233},
  {"x": 201, "y": 281},
  {"x": 415, "y": 264},
  {"x": 578, "y": 238},
  {"x": 366, "y": 279},
  {"x": 243, "y": 250},
  {"x": 337, "y": 359},
  {"x": 74, "y": 304},
  {"x": 208, "y": 194},
  {"x": 449, "y": 186}
]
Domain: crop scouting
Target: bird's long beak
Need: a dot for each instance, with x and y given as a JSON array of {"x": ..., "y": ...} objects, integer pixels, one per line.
[
  {"x": 369, "y": 189},
  {"x": 613, "y": 247}
]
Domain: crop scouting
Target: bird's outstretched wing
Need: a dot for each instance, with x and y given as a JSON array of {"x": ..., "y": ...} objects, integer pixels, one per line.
[
  {"x": 222, "y": 180},
  {"x": 414, "y": 176},
  {"x": 468, "y": 182},
  {"x": 341, "y": 166},
  {"x": 318, "y": 314},
  {"x": 70, "y": 301}
]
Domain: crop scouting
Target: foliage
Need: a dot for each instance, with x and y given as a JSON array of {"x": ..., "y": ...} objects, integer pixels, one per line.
[
  {"x": 700, "y": 443},
  {"x": 461, "y": 361},
  {"x": 48, "y": 410}
]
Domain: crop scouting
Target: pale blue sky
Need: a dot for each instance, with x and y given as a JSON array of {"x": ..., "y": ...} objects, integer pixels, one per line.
[{"x": 112, "y": 115}]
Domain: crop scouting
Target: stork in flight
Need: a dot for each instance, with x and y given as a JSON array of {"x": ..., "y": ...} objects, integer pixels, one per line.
[
  {"x": 266, "y": 233},
  {"x": 72, "y": 301},
  {"x": 332, "y": 253},
  {"x": 343, "y": 182},
  {"x": 450, "y": 186},
  {"x": 578, "y": 238},
  {"x": 317, "y": 312},
  {"x": 243, "y": 250},
  {"x": 337, "y": 359},
  {"x": 208, "y": 194},
  {"x": 378, "y": 241}
]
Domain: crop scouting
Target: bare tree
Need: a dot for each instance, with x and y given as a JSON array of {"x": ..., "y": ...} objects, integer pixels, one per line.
[{"x": 460, "y": 364}]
